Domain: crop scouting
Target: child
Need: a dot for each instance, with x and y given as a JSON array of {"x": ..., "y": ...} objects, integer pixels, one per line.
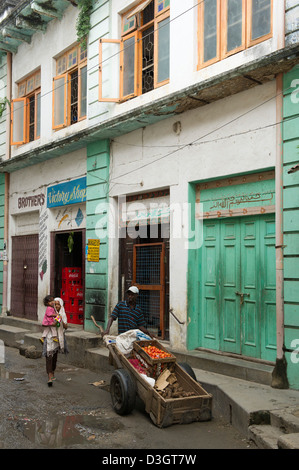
[{"x": 49, "y": 319}]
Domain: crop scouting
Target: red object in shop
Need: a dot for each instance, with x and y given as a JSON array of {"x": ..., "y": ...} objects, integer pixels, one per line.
[{"x": 72, "y": 294}]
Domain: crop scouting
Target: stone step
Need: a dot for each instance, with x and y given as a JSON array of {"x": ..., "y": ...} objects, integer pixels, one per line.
[
  {"x": 31, "y": 325},
  {"x": 288, "y": 441},
  {"x": 11, "y": 335},
  {"x": 287, "y": 420},
  {"x": 265, "y": 436}
]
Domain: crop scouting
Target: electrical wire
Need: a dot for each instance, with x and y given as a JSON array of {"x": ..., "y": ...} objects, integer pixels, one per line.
[
  {"x": 198, "y": 138},
  {"x": 117, "y": 53}
]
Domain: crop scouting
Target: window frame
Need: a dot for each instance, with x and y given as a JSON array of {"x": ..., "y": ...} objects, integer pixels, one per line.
[
  {"x": 69, "y": 69},
  {"x": 105, "y": 41},
  {"x": 24, "y": 100},
  {"x": 24, "y": 96},
  {"x": 162, "y": 17},
  {"x": 135, "y": 93},
  {"x": 252, "y": 42},
  {"x": 222, "y": 52},
  {"x": 136, "y": 32},
  {"x": 64, "y": 124}
]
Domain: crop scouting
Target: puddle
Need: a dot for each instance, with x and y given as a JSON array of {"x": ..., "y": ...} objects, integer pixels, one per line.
[
  {"x": 64, "y": 431},
  {"x": 6, "y": 374}
]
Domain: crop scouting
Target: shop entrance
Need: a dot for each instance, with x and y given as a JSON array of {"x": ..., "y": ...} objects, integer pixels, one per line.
[
  {"x": 144, "y": 262},
  {"x": 24, "y": 276},
  {"x": 68, "y": 251}
]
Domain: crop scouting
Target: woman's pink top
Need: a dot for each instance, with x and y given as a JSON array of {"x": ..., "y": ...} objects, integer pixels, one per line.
[{"x": 48, "y": 318}]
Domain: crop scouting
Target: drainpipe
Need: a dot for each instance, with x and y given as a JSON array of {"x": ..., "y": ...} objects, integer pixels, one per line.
[
  {"x": 279, "y": 374},
  {"x": 7, "y": 179}
]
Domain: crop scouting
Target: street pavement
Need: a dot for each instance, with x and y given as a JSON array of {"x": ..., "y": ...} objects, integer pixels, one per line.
[{"x": 76, "y": 413}]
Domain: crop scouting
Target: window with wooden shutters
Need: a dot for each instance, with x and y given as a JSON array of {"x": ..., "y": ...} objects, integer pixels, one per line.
[
  {"x": 141, "y": 57},
  {"x": 25, "y": 111},
  {"x": 70, "y": 88}
]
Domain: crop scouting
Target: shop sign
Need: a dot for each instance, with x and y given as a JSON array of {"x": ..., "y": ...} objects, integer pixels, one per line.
[
  {"x": 31, "y": 201},
  {"x": 239, "y": 196},
  {"x": 93, "y": 250},
  {"x": 71, "y": 192}
]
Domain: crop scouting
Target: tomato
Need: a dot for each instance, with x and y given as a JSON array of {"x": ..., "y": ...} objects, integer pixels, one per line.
[{"x": 156, "y": 353}]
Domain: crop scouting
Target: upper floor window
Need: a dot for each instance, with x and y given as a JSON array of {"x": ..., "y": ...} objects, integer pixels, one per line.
[
  {"x": 141, "y": 57},
  {"x": 25, "y": 111},
  {"x": 70, "y": 88},
  {"x": 230, "y": 26}
]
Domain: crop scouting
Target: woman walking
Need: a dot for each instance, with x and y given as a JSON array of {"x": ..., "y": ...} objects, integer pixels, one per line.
[{"x": 51, "y": 347}]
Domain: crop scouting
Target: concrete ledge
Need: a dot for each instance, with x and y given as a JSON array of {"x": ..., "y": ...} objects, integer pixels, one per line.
[
  {"x": 97, "y": 360},
  {"x": 225, "y": 365},
  {"x": 31, "y": 325},
  {"x": 11, "y": 334}
]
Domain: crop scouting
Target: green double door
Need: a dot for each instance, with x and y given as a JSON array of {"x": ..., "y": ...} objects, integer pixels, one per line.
[{"x": 237, "y": 297}]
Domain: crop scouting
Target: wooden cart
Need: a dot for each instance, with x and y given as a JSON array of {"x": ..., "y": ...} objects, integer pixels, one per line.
[{"x": 126, "y": 383}]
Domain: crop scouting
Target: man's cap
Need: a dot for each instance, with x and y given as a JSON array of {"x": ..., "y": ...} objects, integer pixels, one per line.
[{"x": 133, "y": 289}]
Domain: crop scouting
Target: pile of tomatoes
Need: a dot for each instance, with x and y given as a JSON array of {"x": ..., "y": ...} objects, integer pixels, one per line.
[{"x": 156, "y": 353}]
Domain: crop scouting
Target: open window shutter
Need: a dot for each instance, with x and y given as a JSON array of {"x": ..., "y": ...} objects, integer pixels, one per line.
[
  {"x": 18, "y": 121},
  {"x": 59, "y": 101},
  {"x": 162, "y": 50},
  {"x": 82, "y": 98},
  {"x": 109, "y": 60},
  {"x": 128, "y": 65}
]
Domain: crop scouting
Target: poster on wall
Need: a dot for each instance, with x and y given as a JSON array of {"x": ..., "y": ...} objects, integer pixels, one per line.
[{"x": 93, "y": 250}]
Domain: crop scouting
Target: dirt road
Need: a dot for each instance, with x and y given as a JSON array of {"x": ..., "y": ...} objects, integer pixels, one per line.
[{"x": 74, "y": 413}]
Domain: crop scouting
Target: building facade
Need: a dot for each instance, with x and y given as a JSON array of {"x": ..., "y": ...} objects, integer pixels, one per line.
[{"x": 159, "y": 156}]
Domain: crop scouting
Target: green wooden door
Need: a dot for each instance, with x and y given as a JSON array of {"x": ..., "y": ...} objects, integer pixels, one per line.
[{"x": 237, "y": 295}]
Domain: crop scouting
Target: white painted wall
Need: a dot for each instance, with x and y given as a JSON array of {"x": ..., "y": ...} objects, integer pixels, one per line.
[
  {"x": 105, "y": 22},
  {"x": 226, "y": 141},
  {"x": 183, "y": 51},
  {"x": 41, "y": 53},
  {"x": 33, "y": 181}
]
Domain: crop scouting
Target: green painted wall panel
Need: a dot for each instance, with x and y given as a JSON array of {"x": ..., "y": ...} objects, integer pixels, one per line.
[
  {"x": 97, "y": 205},
  {"x": 291, "y": 197},
  {"x": 292, "y": 369},
  {"x": 96, "y": 290},
  {"x": 290, "y": 106},
  {"x": 291, "y": 291},
  {"x": 291, "y": 244},
  {"x": 290, "y": 179},
  {"x": 291, "y": 151},
  {"x": 291, "y": 221},
  {"x": 96, "y": 280},
  {"x": 290, "y": 129},
  {"x": 291, "y": 268},
  {"x": 291, "y": 314},
  {"x": 290, "y": 336},
  {"x": 288, "y": 85}
]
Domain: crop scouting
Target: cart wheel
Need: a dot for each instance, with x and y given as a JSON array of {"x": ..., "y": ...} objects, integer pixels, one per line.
[
  {"x": 188, "y": 369},
  {"x": 123, "y": 392}
]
